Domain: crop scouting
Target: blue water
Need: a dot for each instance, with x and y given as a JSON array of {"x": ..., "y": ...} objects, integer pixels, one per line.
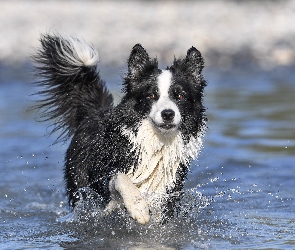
[{"x": 239, "y": 194}]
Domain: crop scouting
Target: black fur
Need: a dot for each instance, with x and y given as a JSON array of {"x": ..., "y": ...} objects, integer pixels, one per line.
[
  {"x": 71, "y": 92},
  {"x": 79, "y": 103}
]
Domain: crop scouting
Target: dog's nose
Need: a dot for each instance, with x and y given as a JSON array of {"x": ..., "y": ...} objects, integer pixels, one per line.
[{"x": 168, "y": 115}]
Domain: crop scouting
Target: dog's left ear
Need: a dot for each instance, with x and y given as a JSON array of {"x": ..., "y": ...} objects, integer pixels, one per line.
[
  {"x": 194, "y": 61},
  {"x": 138, "y": 61}
]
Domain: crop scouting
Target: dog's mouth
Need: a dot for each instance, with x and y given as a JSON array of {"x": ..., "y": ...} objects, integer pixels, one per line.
[{"x": 167, "y": 126}]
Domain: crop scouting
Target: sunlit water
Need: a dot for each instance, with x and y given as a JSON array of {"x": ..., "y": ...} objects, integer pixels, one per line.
[{"x": 239, "y": 194}]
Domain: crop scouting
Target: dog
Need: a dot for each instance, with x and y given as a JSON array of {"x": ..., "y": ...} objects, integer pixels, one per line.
[{"x": 136, "y": 154}]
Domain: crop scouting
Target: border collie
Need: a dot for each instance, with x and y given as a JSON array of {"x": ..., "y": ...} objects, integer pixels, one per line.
[{"x": 134, "y": 155}]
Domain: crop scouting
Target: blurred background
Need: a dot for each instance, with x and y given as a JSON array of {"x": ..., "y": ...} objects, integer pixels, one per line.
[
  {"x": 227, "y": 32},
  {"x": 248, "y": 160}
]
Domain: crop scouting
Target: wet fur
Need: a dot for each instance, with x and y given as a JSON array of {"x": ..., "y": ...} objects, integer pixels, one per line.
[{"x": 136, "y": 154}]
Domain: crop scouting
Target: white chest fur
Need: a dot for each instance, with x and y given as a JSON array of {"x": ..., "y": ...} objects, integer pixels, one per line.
[{"x": 159, "y": 155}]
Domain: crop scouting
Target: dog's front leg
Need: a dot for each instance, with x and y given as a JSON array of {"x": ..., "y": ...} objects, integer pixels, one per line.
[{"x": 132, "y": 199}]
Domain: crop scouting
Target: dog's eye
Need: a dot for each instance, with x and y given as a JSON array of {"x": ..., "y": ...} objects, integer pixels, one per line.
[
  {"x": 151, "y": 96},
  {"x": 180, "y": 96}
]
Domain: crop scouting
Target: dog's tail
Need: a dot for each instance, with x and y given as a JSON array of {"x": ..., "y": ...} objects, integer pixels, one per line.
[{"x": 72, "y": 87}]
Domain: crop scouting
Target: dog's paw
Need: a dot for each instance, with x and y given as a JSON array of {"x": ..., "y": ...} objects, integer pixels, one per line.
[
  {"x": 138, "y": 209},
  {"x": 135, "y": 204}
]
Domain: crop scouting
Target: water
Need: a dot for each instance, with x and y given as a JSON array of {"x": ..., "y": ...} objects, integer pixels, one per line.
[{"x": 239, "y": 194}]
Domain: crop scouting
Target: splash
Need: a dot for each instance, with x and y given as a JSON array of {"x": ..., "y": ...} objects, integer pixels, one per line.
[
  {"x": 88, "y": 221},
  {"x": 88, "y": 209},
  {"x": 198, "y": 219}
]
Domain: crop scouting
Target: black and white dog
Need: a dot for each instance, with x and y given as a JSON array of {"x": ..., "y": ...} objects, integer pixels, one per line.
[{"x": 135, "y": 154}]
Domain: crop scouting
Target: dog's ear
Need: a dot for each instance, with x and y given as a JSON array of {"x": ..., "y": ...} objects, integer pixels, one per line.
[
  {"x": 138, "y": 61},
  {"x": 194, "y": 61}
]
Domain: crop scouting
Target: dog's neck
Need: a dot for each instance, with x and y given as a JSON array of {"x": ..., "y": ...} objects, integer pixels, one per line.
[{"x": 159, "y": 155}]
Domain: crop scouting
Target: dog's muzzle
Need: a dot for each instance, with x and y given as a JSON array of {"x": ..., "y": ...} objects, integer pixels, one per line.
[{"x": 168, "y": 117}]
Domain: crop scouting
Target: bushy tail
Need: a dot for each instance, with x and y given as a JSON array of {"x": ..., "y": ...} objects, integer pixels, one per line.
[{"x": 72, "y": 87}]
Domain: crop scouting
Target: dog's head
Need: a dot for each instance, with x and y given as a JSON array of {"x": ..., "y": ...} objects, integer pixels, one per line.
[{"x": 172, "y": 98}]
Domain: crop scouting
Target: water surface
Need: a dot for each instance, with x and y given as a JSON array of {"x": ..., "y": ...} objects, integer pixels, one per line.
[{"x": 239, "y": 194}]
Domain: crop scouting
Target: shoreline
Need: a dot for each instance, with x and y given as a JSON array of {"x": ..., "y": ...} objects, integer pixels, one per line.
[{"x": 226, "y": 32}]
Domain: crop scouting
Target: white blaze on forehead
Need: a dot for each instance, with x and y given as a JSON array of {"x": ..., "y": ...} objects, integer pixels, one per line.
[
  {"x": 164, "y": 83},
  {"x": 164, "y": 102}
]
